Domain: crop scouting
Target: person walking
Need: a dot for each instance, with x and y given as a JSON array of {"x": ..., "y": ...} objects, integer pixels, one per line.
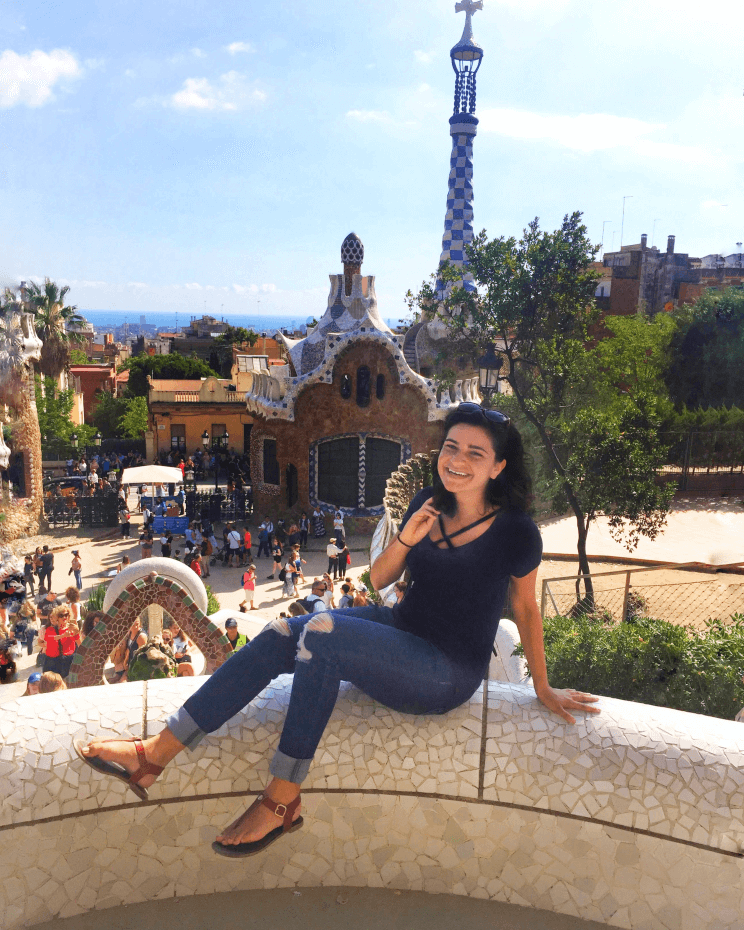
[
  {"x": 45, "y": 572},
  {"x": 233, "y": 541},
  {"x": 332, "y": 552},
  {"x": 276, "y": 553},
  {"x": 264, "y": 541},
  {"x": 427, "y": 655},
  {"x": 338, "y": 527},
  {"x": 290, "y": 577},
  {"x": 28, "y": 575},
  {"x": 76, "y": 569},
  {"x": 249, "y": 586},
  {"x": 319, "y": 529}
]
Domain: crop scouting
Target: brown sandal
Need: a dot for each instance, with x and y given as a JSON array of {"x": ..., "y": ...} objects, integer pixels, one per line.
[
  {"x": 118, "y": 771},
  {"x": 285, "y": 811}
]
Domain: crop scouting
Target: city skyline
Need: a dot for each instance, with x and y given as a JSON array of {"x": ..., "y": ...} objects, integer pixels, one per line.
[{"x": 214, "y": 160}]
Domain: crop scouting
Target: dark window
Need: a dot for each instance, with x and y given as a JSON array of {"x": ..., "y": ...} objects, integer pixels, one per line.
[
  {"x": 338, "y": 472},
  {"x": 346, "y": 387},
  {"x": 363, "y": 386},
  {"x": 178, "y": 436},
  {"x": 292, "y": 493},
  {"x": 270, "y": 463},
  {"x": 380, "y": 387},
  {"x": 383, "y": 457}
]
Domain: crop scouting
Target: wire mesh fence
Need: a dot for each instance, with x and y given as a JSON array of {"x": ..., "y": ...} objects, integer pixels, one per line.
[{"x": 645, "y": 592}]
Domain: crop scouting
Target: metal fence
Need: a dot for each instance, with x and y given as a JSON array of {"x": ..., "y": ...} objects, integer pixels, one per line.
[
  {"x": 82, "y": 510},
  {"x": 219, "y": 507},
  {"x": 641, "y": 592}
]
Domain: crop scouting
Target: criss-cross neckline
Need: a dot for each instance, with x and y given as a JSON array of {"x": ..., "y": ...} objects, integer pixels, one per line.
[{"x": 448, "y": 537}]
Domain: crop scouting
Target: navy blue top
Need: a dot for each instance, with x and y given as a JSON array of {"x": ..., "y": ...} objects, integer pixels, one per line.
[{"x": 456, "y": 596}]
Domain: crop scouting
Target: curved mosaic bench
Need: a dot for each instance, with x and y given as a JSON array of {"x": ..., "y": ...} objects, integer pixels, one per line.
[
  {"x": 168, "y": 568},
  {"x": 92, "y": 654},
  {"x": 632, "y": 818}
]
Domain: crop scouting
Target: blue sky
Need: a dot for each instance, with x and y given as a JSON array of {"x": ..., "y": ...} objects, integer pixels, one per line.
[{"x": 189, "y": 155}]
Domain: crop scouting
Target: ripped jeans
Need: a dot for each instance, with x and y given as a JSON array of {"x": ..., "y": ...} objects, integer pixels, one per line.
[{"x": 356, "y": 644}]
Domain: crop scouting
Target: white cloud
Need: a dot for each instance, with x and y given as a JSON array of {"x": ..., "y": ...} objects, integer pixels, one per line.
[
  {"x": 198, "y": 53},
  {"x": 193, "y": 287},
  {"x": 589, "y": 133},
  {"x": 232, "y": 91},
  {"x": 423, "y": 58},
  {"x": 369, "y": 116},
  {"x": 30, "y": 79},
  {"x": 235, "y": 47},
  {"x": 137, "y": 284}
]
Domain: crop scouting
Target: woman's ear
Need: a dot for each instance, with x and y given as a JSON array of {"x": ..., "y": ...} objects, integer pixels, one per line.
[{"x": 498, "y": 468}]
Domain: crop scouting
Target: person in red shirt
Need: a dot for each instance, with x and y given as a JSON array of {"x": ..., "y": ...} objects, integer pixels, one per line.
[
  {"x": 61, "y": 638},
  {"x": 196, "y": 564},
  {"x": 246, "y": 553}
]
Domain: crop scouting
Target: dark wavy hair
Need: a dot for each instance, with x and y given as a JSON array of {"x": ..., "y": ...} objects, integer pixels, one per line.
[{"x": 513, "y": 487}]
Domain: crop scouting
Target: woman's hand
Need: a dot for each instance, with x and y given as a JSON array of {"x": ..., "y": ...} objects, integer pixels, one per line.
[
  {"x": 562, "y": 700},
  {"x": 419, "y": 524}
]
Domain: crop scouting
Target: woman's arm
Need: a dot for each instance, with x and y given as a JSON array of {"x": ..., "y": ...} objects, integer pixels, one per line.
[
  {"x": 390, "y": 564},
  {"x": 529, "y": 623}
]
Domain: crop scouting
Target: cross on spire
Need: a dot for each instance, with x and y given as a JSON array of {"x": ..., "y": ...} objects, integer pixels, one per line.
[{"x": 469, "y": 7}]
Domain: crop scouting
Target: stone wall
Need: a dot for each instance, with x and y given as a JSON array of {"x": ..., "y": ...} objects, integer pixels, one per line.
[
  {"x": 321, "y": 413},
  {"x": 632, "y": 818}
]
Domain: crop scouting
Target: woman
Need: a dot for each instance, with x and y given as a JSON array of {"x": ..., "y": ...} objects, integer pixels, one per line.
[
  {"x": 343, "y": 561},
  {"x": 27, "y": 616},
  {"x": 276, "y": 553},
  {"x": 73, "y": 599},
  {"x": 249, "y": 586},
  {"x": 427, "y": 655},
  {"x": 332, "y": 552},
  {"x": 32, "y": 684},
  {"x": 290, "y": 578},
  {"x": 62, "y": 637},
  {"x": 319, "y": 529},
  {"x": 304, "y": 529}
]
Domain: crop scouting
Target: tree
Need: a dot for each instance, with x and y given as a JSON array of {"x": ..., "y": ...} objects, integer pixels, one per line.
[
  {"x": 47, "y": 303},
  {"x": 707, "y": 351},
  {"x": 134, "y": 421},
  {"x": 221, "y": 356},
  {"x": 107, "y": 413},
  {"x": 54, "y": 409},
  {"x": 78, "y": 357},
  {"x": 162, "y": 366},
  {"x": 535, "y": 303}
]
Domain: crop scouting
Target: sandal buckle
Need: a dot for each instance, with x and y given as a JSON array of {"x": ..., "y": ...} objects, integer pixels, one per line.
[{"x": 283, "y": 812}]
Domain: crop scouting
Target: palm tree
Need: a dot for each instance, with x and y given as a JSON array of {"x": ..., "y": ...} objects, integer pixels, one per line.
[{"x": 47, "y": 303}]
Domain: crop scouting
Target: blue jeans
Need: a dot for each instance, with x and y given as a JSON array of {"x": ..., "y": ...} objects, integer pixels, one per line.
[
  {"x": 78, "y": 578},
  {"x": 356, "y": 644}
]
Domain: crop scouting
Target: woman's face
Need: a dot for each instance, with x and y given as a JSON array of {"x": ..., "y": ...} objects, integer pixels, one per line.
[
  {"x": 33, "y": 687},
  {"x": 467, "y": 461}
]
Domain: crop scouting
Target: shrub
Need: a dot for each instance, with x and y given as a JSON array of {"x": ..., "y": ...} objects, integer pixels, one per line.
[
  {"x": 96, "y": 598},
  {"x": 213, "y": 604},
  {"x": 373, "y": 596},
  {"x": 650, "y": 661}
]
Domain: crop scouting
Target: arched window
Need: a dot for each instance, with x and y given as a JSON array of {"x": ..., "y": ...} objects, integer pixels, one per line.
[
  {"x": 380, "y": 387},
  {"x": 363, "y": 386},
  {"x": 346, "y": 387}
]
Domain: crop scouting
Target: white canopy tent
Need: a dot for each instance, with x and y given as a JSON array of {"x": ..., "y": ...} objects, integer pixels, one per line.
[{"x": 152, "y": 475}]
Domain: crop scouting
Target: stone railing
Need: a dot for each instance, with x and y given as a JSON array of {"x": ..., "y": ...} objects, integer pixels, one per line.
[{"x": 632, "y": 818}]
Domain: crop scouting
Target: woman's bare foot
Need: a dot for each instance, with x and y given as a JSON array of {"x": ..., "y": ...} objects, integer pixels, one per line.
[
  {"x": 159, "y": 750},
  {"x": 258, "y": 820}
]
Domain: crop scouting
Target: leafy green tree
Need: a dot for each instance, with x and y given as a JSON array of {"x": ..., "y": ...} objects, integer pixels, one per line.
[
  {"x": 707, "y": 351},
  {"x": 535, "y": 303},
  {"x": 47, "y": 303},
  {"x": 78, "y": 357},
  {"x": 54, "y": 409},
  {"x": 163, "y": 366},
  {"x": 221, "y": 356},
  {"x": 133, "y": 423},
  {"x": 107, "y": 413}
]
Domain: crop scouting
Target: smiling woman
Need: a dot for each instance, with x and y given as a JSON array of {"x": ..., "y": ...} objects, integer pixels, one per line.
[{"x": 426, "y": 655}]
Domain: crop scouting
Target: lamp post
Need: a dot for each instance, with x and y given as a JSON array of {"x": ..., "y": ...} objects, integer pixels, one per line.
[
  {"x": 489, "y": 366},
  {"x": 74, "y": 441},
  {"x": 219, "y": 445}
]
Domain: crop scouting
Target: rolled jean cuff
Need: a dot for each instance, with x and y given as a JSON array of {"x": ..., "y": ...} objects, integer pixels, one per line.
[
  {"x": 183, "y": 726},
  {"x": 289, "y": 769}
]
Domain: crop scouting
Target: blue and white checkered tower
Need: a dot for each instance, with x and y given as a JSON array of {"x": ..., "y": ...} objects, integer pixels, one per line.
[{"x": 466, "y": 57}]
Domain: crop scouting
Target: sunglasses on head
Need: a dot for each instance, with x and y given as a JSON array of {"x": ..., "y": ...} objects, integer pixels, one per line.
[{"x": 494, "y": 416}]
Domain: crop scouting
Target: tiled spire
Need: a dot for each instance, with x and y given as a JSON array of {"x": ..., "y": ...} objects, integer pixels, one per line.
[{"x": 458, "y": 222}]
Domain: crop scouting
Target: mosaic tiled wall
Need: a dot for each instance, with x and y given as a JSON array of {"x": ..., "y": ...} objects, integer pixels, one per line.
[
  {"x": 632, "y": 818},
  {"x": 93, "y": 652}
]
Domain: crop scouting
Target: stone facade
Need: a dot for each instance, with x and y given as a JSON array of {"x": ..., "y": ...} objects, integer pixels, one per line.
[{"x": 322, "y": 413}]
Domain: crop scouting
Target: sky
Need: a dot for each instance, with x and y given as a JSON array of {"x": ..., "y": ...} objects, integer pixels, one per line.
[{"x": 211, "y": 156}]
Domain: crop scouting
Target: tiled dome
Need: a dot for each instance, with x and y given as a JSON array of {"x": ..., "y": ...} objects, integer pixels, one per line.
[{"x": 352, "y": 250}]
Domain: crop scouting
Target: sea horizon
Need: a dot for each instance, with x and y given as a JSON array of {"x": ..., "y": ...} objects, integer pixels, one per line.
[{"x": 169, "y": 319}]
